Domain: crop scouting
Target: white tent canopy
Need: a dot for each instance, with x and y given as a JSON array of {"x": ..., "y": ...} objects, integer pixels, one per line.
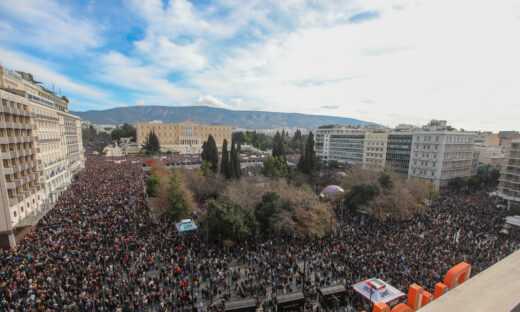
[
  {"x": 376, "y": 290},
  {"x": 513, "y": 220}
]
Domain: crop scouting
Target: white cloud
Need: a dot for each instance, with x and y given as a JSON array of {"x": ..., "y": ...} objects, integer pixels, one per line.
[
  {"x": 165, "y": 52},
  {"x": 41, "y": 72},
  {"x": 140, "y": 102},
  {"x": 208, "y": 100},
  {"x": 430, "y": 59},
  {"x": 149, "y": 80},
  {"x": 47, "y": 25}
]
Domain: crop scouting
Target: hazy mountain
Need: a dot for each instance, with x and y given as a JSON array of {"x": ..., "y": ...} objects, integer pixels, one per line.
[{"x": 211, "y": 115}]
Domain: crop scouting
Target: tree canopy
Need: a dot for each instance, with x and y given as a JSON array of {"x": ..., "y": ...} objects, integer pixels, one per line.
[
  {"x": 152, "y": 144},
  {"x": 178, "y": 198},
  {"x": 229, "y": 219},
  {"x": 309, "y": 162},
  {"x": 124, "y": 131},
  {"x": 276, "y": 167},
  {"x": 210, "y": 153},
  {"x": 225, "y": 168}
]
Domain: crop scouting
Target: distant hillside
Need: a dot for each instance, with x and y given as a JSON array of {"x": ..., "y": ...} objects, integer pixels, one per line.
[{"x": 211, "y": 115}]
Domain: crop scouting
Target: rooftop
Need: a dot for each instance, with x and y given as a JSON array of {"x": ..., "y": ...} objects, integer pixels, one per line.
[{"x": 495, "y": 289}]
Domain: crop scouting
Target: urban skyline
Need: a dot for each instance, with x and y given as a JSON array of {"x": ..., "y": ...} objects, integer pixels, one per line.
[{"x": 396, "y": 62}]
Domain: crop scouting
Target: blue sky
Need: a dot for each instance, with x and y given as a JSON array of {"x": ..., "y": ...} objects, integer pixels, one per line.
[{"x": 386, "y": 61}]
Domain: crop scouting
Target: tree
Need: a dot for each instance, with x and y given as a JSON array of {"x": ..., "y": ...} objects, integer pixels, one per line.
[
  {"x": 362, "y": 193},
  {"x": 457, "y": 183},
  {"x": 267, "y": 209},
  {"x": 494, "y": 175},
  {"x": 297, "y": 141},
  {"x": 205, "y": 169},
  {"x": 276, "y": 167},
  {"x": 386, "y": 180},
  {"x": 210, "y": 153},
  {"x": 230, "y": 220},
  {"x": 152, "y": 184},
  {"x": 309, "y": 162},
  {"x": 278, "y": 149},
  {"x": 474, "y": 181},
  {"x": 178, "y": 198},
  {"x": 234, "y": 162},
  {"x": 152, "y": 144},
  {"x": 224, "y": 163},
  {"x": 124, "y": 131}
]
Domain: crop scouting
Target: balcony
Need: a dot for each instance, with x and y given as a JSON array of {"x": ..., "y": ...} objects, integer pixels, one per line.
[{"x": 9, "y": 155}]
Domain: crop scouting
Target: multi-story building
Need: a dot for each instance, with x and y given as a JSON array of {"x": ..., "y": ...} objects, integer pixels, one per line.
[
  {"x": 21, "y": 188},
  {"x": 493, "y": 156},
  {"x": 398, "y": 149},
  {"x": 374, "y": 152},
  {"x": 340, "y": 143},
  {"x": 440, "y": 153},
  {"x": 509, "y": 186},
  {"x": 58, "y": 132},
  {"x": 182, "y": 137}
]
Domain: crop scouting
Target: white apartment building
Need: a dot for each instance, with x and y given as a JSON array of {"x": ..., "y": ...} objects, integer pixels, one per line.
[
  {"x": 509, "y": 186},
  {"x": 57, "y": 134},
  {"x": 21, "y": 188},
  {"x": 340, "y": 143},
  {"x": 440, "y": 154},
  {"x": 374, "y": 152}
]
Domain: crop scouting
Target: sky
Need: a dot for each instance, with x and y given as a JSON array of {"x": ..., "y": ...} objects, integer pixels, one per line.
[{"x": 384, "y": 61}]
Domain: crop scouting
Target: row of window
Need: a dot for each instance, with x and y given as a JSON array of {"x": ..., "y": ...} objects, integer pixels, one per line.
[{"x": 166, "y": 127}]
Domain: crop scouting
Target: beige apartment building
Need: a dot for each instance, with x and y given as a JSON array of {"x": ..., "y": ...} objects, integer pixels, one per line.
[
  {"x": 57, "y": 140},
  {"x": 182, "y": 137},
  {"x": 58, "y": 132},
  {"x": 509, "y": 186},
  {"x": 374, "y": 153},
  {"x": 21, "y": 187}
]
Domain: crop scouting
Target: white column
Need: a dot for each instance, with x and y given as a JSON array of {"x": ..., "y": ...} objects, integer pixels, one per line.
[{"x": 12, "y": 240}]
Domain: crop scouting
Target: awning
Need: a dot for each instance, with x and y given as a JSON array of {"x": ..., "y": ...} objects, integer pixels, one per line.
[{"x": 376, "y": 290}]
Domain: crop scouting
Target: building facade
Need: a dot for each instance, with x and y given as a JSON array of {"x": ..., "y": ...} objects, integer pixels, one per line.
[
  {"x": 375, "y": 148},
  {"x": 182, "y": 137},
  {"x": 398, "y": 149},
  {"x": 57, "y": 144},
  {"x": 58, "y": 133},
  {"x": 21, "y": 186},
  {"x": 440, "y": 154},
  {"x": 509, "y": 185},
  {"x": 340, "y": 143}
]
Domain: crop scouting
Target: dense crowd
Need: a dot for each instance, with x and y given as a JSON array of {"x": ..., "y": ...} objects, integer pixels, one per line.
[{"x": 100, "y": 249}]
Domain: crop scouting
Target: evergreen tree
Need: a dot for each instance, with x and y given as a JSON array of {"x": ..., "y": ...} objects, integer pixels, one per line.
[
  {"x": 178, "y": 198},
  {"x": 224, "y": 164},
  {"x": 308, "y": 162},
  {"x": 234, "y": 163},
  {"x": 152, "y": 144},
  {"x": 210, "y": 153},
  {"x": 267, "y": 209},
  {"x": 278, "y": 149},
  {"x": 297, "y": 141}
]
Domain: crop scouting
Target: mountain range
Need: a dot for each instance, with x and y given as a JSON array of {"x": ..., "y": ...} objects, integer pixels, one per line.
[{"x": 213, "y": 115}]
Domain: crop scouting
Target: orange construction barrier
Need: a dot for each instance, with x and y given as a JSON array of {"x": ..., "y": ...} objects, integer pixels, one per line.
[
  {"x": 414, "y": 296},
  {"x": 457, "y": 275},
  {"x": 427, "y": 297},
  {"x": 381, "y": 307},
  {"x": 402, "y": 308},
  {"x": 440, "y": 289}
]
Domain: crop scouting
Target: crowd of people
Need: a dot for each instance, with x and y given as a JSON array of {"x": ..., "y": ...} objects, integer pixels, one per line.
[{"x": 100, "y": 249}]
